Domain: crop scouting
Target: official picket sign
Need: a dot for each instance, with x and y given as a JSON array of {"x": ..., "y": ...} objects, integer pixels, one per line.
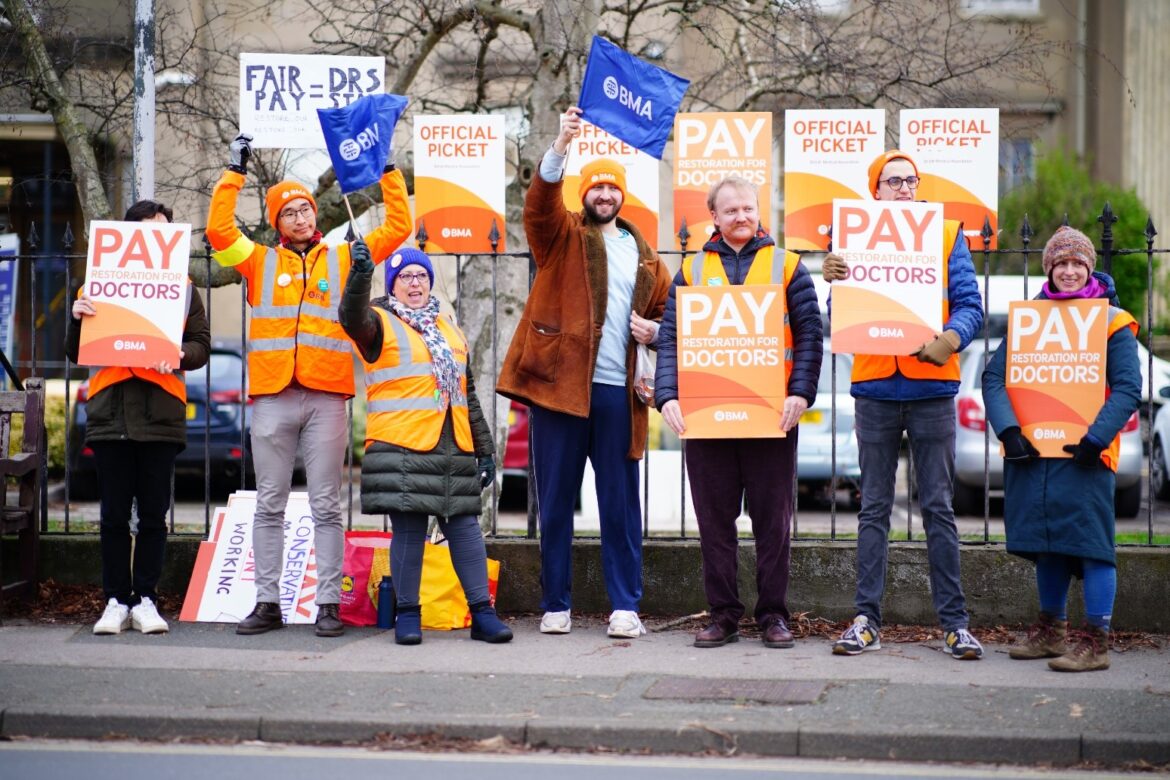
[
  {"x": 891, "y": 304},
  {"x": 731, "y": 379},
  {"x": 1056, "y": 369},
  {"x": 459, "y": 181},
  {"x": 826, "y": 157},
  {"x": 222, "y": 588},
  {"x": 710, "y": 147},
  {"x": 957, "y": 151},
  {"x": 641, "y": 205},
  {"x": 280, "y": 94},
  {"x": 136, "y": 276}
]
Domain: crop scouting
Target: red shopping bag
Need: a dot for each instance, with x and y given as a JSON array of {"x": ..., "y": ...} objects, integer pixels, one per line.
[{"x": 357, "y": 609}]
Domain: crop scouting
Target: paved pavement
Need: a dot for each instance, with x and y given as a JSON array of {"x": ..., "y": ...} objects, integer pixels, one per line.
[{"x": 655, "y": 694}]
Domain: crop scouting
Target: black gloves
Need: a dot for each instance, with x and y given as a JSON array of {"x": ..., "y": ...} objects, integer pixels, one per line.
[
  {"x": 1016, "y": 445},
  {"x": 487, "y": 470},
  {"x": 360, "y": 260},
  {"x": 239, "y": 150},
  {"x": 1086, "y": 453}
]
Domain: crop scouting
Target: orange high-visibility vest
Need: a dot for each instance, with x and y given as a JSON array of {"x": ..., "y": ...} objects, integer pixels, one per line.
[
  {"x": 1118, "y": 319},
  {"x": 174, "y": 383},
  {"x": 707, "y": 267},
  {"x": 294, "y": 324},
  {"x": 869, "y": 367},
  {"x": 403, "y": 398}
]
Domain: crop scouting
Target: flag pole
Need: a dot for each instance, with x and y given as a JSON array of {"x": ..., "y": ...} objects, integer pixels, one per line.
[{"x": 352, "y": 220}]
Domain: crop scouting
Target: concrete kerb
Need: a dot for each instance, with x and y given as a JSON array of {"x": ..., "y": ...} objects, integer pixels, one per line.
[{"x": 1000, "y": 588}]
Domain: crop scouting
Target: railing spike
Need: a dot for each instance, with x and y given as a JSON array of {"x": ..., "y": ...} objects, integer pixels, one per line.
[
  {"x": 1151, "y": 231},
  {"x": 33, "y": 239},
  {"x": 67, "y": 238},
  {"x": 421, "y": 236},
  {"x": 684, "y": 235},
  {"x": 494, "y": 236}
]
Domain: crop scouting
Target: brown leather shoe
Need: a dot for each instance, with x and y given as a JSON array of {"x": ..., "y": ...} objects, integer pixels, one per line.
[
  {"x": 776, "y": 634},
  {"x": 329, "y": 620},
  {"x": 715, "y": 635},
  {"x": 265, "y": 617}
]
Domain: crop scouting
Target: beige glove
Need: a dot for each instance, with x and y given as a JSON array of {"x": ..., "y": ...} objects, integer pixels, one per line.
[
  {"x": 937, "y": 352},
  {"x": 834, "y": 268}
]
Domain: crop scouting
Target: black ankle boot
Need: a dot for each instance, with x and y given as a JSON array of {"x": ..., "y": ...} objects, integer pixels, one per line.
[
  {"x": 408, "y": 625},
  {"x": 486, "y": 626},
  {"x": 329, "y": 620},
  {"x": 265, "y": 617}
]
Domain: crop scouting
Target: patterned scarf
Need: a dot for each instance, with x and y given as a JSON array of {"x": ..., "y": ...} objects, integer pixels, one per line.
[{"x": 443, "y": 368}]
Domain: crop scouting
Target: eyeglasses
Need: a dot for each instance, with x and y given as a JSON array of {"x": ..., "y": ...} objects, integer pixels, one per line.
[
  {"x": 896, "y": 182},
  {"x": 304, "y": 212},
  {"x": 408, "y": 279}
]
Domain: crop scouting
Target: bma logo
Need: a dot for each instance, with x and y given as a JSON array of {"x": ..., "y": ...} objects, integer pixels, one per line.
[
  {"x": 456, "y": 232},
  {"x": 351, "y": 148},
  {"x": 885, "y": 333},
  {"x": 615, "y": 91},
  {"x": 733, "y": 416},
  {"x": 122, "y": 345}
]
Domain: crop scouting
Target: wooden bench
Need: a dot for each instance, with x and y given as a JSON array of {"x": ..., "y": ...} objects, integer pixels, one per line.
[{"x": 20, "y": 469}]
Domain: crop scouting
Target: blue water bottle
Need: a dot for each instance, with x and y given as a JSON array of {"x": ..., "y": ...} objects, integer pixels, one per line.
[{"x": 386, "y": 606}]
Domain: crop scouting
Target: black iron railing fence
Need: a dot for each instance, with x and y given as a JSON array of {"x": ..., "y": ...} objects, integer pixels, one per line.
[{"x": 46, "y": 281}]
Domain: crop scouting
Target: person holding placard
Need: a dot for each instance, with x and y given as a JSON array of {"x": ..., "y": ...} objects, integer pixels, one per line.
[
  {"x": 136, "y": 427},
  {"x": 1058, "y": 512},
  {"x": 598, "y": 293},
  {"x": 912, "y": 394},
  {"x": 300, "y": 370},
  {"x": 429, "y": 449},
  {"x": 725, "y": 471}
]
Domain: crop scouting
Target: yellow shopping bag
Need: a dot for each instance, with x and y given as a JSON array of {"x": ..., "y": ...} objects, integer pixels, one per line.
[{"x": 444, "y": 607}]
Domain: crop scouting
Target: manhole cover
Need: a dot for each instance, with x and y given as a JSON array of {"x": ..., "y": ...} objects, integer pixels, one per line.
[{"x": 766, "y": 691}]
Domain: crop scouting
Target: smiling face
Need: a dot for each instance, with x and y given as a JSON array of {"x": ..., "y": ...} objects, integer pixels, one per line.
[
  {"x": 298, "y": 221},
  {"x": 1069, "y": 274},
  {"x": 898, "y": 169},
  {"x": 412, "y": 286},
  {"x": 736, "y": 214},
  {"x": 603, "y": 202}
]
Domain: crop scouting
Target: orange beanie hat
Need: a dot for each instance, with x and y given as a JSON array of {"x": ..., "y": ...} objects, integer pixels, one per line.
[
  {"x": 280, "y": 194},
  {"x": 603, "y": 171},
  {"x": 875, "y": 167}
]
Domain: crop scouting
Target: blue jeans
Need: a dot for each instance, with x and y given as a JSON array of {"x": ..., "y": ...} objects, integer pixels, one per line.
[
  {"x": 468, "y": 555},
  {"x": 930, "y": 424}
]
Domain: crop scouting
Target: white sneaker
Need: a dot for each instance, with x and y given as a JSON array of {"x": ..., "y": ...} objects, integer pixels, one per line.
[
  {"x": 144, "y": 617},
  {"x": 114, "y": 620},
  {"x": 556, "y": 623},
  {"x": 625, "y": 624}
]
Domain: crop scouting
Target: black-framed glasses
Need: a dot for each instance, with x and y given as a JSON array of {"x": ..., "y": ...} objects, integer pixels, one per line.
[
  {"x": 291, "y": 215},
  {"x": 420, "y": 277},
  {"x": 896, "y": 182}
]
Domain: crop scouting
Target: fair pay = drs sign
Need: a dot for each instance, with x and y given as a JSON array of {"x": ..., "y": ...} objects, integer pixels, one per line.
[{"x": 731, "y": 360}]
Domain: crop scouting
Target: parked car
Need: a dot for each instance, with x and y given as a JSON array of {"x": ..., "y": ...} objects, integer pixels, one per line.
[
  {"x": 1160, "y": 453},
  {"x": 221, "y": 416},
  {"x": 814, "y": 449},
  {"x": 969, "y": 445},
  {"x": 516, "y": 447}
]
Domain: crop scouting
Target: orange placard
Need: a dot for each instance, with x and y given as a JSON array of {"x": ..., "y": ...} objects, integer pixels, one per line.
[
  {"x": 826, "y": 156},
  {"x": 1056, "y": 369},
  {"x": 136, "y": 276},
  {"x": 459, "y": 182},
  {"x": 891, "y": 304},
  {"x": 731, "y": 380},
  {"x": 957, "y": 152},
  {"x": 707, "y": 149}
]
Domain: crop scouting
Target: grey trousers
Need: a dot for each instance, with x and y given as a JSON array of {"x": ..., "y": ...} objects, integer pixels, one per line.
[
  {"x": 930, "y": 424},
  {"x": 317, "y": 421}
]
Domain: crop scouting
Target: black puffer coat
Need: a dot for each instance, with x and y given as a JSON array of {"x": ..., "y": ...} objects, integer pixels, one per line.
[{"x": 443, "y": 481}]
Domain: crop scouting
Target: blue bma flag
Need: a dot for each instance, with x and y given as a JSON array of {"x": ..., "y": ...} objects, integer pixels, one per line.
[
  {"x": 358, "y": 138},
  {"x": 628, "y": 98}
]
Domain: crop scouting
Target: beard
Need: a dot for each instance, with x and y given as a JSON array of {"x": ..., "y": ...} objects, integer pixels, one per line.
[{"x": 591, "y": 211}]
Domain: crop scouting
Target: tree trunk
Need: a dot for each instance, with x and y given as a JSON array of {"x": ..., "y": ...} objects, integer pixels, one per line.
[{"x": 47, "y": 86}]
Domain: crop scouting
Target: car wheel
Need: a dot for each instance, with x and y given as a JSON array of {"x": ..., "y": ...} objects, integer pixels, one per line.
[
  {"x": 967, "y": 500},
  {"x": 1159, "y": 470},
  {"x": 1128, "y": 501}
]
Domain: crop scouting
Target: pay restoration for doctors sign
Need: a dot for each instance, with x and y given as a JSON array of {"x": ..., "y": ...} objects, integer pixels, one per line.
[{"x": 136, "y": 276}]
